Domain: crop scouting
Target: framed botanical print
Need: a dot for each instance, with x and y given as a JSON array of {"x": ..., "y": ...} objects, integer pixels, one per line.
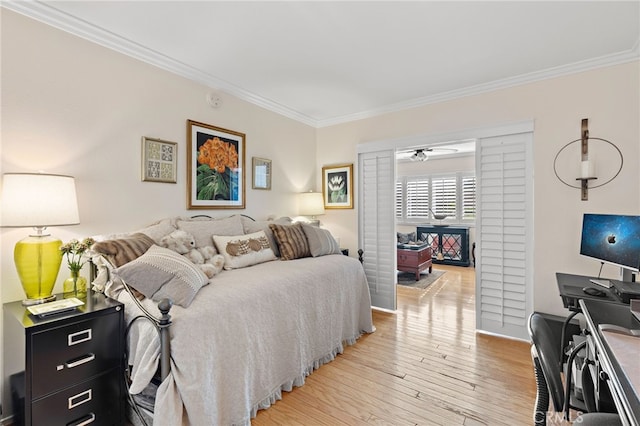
[
  {"x": 261, "y": 168},
  {"x": 337, "y": 186},
  {"x": 159, "y": 160},
  {"x": 215, "y": 167}
]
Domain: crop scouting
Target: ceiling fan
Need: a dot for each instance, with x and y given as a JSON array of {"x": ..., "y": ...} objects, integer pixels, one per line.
[{"x": 422, "y": 154}]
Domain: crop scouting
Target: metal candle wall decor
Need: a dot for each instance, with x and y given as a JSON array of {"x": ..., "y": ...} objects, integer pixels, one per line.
[{"x": 587, "y": 165}]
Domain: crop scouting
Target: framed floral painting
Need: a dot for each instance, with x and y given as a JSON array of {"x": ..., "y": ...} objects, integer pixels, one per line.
[
  {"x": 215, "y": 167},
  {"x": 337, "y": 186}
]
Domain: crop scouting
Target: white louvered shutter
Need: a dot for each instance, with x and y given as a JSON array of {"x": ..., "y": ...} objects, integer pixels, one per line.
[
  {"x": 444, "y": 195},
  {"x": 400, "y": 197},
  {"x": 504, "y": 234},
  {"x": 376, "y": 225},
  {"x": 417, "y": 198},
  {"x": 468, "y": 197}
]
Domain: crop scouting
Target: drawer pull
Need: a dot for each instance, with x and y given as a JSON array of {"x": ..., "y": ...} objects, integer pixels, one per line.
[
  {"x": 80, "y": 361},
  {"x": 90, "y": 418},
  {"x": 79, "y": 337},
  {"x": 79, "y": 399}
]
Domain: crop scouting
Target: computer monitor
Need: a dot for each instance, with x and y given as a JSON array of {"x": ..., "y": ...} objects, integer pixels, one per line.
[{"x": 613, "y": 239}]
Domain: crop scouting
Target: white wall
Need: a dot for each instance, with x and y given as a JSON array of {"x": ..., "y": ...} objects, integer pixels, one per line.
[
  {"x": 608, "y": 97},
  {"x": 72, "y": 107}
]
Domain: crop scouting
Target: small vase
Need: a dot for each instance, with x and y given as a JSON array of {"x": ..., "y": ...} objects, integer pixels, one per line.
[{"x": 75, "y": 285}]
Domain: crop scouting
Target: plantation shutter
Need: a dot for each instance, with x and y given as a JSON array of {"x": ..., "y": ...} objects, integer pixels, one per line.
[
  {"x": 376, "y": 225},
  {"x": 504, "y": 272},
  {"x": 417, "y": 198},
  {"x": 399, "y": 198},
  {"x": 468, "y": 197},
  {"x": 443, "y": 192}
]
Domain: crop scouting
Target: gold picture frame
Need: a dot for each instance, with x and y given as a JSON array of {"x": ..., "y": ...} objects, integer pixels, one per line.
[
  {"x": 215, "y": 167},
  {"x": 261, "y": 168},
  {"x": 337, "y": 186},
  {"x": 159, "y": 160}
]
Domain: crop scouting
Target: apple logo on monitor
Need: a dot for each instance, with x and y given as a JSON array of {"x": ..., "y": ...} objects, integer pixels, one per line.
[{"x": 611, "y": 239}]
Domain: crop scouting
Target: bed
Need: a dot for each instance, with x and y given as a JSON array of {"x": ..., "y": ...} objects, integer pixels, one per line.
[{"x": 248, "y": 334}]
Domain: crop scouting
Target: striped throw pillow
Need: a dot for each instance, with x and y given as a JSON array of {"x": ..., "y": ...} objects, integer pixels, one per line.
[{"x": 291, "y": 240}]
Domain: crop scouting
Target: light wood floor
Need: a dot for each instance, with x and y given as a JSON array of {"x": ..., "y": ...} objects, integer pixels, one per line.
[{"x": 424, "y": 365}]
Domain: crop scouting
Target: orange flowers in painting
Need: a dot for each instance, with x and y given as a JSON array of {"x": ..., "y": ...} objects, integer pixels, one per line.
[{"x": 218, "y": 155}]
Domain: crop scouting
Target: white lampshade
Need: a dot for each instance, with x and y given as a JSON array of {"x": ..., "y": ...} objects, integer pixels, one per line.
[
  {"x": 38, "y": 200},
  {"x": 310, "y": 204}
]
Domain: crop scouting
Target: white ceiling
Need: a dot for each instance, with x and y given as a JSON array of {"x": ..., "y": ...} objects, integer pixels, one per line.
[{"x": 326, "y": 62}]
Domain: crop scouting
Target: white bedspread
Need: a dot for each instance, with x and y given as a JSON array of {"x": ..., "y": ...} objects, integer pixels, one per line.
[{"x": 250, "y": 334}]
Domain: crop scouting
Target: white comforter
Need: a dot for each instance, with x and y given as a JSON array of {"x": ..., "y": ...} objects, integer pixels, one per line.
[{"x": 250, "y": 334}]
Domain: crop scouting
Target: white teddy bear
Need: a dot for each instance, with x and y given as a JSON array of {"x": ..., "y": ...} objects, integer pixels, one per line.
[{"x": 205, "y": 257}]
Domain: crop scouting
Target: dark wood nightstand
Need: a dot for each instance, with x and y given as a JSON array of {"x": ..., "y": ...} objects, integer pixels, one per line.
[{"x": 66, "y": 368}]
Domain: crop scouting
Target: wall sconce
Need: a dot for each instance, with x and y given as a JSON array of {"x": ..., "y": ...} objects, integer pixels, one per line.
[
  {"x": 587, "y": 165},
  {"x": 311, "y": 204},
  {"x": 38, "y": 201}
]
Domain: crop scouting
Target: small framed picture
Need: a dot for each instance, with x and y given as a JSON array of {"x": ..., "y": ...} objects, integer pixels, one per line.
[
  {"x": 261, "y": 173},
  {"x": 159, "y": 160},
  {"x": 337, "y": 186}
]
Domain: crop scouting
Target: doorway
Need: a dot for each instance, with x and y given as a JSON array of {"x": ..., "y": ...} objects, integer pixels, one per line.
[{"x": 504, "y": 250}]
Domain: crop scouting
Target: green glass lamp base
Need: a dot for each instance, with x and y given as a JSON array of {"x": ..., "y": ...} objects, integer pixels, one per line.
[{"x": 38, "y": 259}]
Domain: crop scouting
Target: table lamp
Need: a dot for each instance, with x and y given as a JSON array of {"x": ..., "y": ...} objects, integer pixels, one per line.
[
  {"x": 38, "y": 201},
  {"x": 311, "y": 204}
]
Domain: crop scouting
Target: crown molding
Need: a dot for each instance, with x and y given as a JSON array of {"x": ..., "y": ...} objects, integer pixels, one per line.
[
  {"x": 51, "y": 16},
  {"x": 576, "y": 67}
]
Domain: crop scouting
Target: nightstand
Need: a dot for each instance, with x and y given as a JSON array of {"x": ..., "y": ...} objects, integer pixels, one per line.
[{"x": 66, "y": 368}]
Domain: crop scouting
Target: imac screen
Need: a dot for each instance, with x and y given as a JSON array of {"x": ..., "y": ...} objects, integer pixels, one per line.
[{"x": 612, "y": 238}]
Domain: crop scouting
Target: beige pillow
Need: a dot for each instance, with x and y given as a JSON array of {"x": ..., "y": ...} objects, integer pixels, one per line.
[
  {"x": 204, "y": 230},
  {"x": 321, "y": 242},
  {"x": 244, "y": 250},
  {"x": 158, "y": 229},
  {"x": 162, "y": 273},
  {"x": 251, "y": 226},
  {"x": 291, "y": 240}
]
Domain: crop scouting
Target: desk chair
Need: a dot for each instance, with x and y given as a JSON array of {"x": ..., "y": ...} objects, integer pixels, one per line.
[{"x": 547, "y": 367}]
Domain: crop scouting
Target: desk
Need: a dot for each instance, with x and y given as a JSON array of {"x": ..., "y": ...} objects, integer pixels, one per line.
[
  {"x": 613, "y": 370},
  {"x": 570, "y": 287}
]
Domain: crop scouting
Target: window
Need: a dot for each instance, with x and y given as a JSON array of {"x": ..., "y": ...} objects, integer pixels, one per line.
[{"x": 452, "y": 194}]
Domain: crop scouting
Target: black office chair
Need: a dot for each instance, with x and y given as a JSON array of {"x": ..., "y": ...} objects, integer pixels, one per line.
[{"x": 547, "y": 365}]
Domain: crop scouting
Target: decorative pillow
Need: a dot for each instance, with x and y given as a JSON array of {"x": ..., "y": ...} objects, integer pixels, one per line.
[
  {"x": 162, "y": 273},
  {"x": 406, "y": 238},
  {"x": 123, "y": 250},
  {"x": 204, "y": 230},
  {"x": 291, "y": 240},
  {"x": 244, "y": 250},
  {"x": 159, "y": 229},
  {"x": 251, "y": 226},
  {"x": 321, "y": 242}
]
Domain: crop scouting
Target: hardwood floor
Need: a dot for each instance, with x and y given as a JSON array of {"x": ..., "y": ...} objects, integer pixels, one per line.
[{"x": 424, "y": 365}]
